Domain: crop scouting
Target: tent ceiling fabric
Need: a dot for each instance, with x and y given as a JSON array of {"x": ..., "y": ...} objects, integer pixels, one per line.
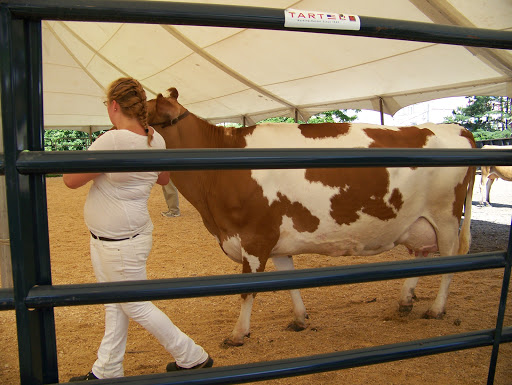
[{"x": 227, "y": 74}]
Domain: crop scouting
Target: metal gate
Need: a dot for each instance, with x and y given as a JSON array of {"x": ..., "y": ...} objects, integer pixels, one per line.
[{"x": 25, "y": 164}]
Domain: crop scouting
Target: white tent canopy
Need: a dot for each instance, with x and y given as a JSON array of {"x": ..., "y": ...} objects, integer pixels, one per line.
[{"x": 245, "y": 75}]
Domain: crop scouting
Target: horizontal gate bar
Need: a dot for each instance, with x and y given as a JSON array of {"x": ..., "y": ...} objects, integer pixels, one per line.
[
  {"x": 129, "y": 291},
  {"x": 209, "y": 159},
  {"x": 43, "y": 295},
  {"x": 156, "y": 12},
  {"x": 6, "y": 299},
  {"x": 321, "y": 363}
]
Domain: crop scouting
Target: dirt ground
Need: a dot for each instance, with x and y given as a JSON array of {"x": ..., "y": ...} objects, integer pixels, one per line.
[{"x": 341, "y": 317}]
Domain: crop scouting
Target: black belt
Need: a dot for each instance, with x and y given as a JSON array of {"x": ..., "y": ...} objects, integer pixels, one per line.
[{"x": 110, "y": 239}]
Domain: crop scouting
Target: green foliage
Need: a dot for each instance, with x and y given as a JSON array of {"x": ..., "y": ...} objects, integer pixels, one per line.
[
  {"x": 486, "y": 135},
  {"x": 487, "y": 117},
  {"x": 64, "y": 140},
  {"x": 334, "y": 116},
  {"x": 279, "y": 119}
]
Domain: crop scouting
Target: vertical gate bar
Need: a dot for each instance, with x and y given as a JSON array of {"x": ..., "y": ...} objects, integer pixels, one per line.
[
  {"x": 501, "y": 311},
  {"x": 37, "y": 189},
  {"x": 21, "y": 73}
]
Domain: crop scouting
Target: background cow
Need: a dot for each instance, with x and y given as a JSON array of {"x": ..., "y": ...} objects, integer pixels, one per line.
[
  {"x": 490, "y": 173},
  {"x": 260, "y": 214}
]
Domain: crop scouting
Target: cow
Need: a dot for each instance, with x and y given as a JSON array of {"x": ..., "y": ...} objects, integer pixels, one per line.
[
  {"x": 490, "y": 173},
  {"x": 260, "y": 214}
]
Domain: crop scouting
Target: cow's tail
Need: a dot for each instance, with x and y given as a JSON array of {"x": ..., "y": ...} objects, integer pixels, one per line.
[{"x": 465, "y": 233}]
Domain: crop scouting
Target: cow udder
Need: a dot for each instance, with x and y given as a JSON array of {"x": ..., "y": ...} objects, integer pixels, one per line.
[{"x": 420, "y": 238}]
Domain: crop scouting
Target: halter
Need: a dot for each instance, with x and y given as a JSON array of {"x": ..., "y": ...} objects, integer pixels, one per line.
[{"x": 171, "y": 122}]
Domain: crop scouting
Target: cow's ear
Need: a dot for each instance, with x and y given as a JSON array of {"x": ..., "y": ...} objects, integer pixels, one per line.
[
  {"x": 161, "y": 103},
  {"x": 173, "y": 93}
]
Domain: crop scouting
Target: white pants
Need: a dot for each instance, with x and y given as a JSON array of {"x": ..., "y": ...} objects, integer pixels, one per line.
[{"x": 126, "y": 261}]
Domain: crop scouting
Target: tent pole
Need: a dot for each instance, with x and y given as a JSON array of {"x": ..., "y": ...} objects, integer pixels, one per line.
[{"x": 381, "y": 106}]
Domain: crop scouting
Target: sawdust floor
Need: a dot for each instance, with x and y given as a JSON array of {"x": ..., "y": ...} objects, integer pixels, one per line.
[{"x": 341, "y": 317}]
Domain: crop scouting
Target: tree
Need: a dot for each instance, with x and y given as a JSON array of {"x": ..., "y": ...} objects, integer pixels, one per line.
[
  {"x": 334, "y": 116},
  {"x": 487, "y": 117},
  {"x": 63, "y": 140},
  {"x": 279, "y": 119}
]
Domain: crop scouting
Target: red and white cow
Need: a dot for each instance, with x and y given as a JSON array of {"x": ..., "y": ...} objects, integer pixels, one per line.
[
  {"x": 260, "y": 214},
  {"x": 490, "y": 173}
]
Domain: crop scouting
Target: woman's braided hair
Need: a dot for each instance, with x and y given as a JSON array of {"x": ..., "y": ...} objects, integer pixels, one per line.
[{"x": 131, "y": 97}]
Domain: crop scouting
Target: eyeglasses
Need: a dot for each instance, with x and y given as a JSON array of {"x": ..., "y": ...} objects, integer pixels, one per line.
[{"x": 105, "y": 103}]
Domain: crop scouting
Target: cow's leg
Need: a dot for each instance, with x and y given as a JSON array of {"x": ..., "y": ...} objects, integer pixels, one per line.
[
  {"x": 242, "y": 328},
  {"x": 448, "y": 242},
  {"x": 483, "y": 193},
  {"x": 243, "y": 324},
  {"x": 299, "y": 310},
  {"x": 438, "y": 308},
  {"x": 484, "y": 189},
  {"x": 421, "y": 240},
  {"x": 407, "y": 295},
  {"x": 488, "y": 185}
]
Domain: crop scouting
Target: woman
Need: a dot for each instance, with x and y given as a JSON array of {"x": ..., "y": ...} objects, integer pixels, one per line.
[{"x": 117, "y": 216}]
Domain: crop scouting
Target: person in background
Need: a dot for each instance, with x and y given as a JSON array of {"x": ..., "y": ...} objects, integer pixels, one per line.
[
  {"x": 117, "y": 216},
  {"x": 171, "y": 198}
]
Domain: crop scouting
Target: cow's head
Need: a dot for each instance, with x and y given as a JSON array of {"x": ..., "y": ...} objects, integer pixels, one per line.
[{"x": 163, "y": 110}]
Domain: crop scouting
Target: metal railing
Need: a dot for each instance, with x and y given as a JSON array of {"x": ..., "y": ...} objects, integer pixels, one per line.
[
  {"x": 24, "y": 164},
  {"x": 495, "y": 142}
]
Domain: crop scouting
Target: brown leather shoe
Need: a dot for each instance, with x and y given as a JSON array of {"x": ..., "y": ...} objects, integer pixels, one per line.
[{"x": 173, "y": 366}]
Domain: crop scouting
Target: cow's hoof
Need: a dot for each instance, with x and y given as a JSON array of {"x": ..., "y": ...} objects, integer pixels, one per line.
[
  {"x": 228, "y": 342},
  {"x": 296, "y": 327},
  {"x": 404, "y": 310},
  {"x": 433, "y": 315}
]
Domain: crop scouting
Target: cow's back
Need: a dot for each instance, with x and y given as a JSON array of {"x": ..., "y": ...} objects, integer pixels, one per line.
[{"x": 358, "y": 135}]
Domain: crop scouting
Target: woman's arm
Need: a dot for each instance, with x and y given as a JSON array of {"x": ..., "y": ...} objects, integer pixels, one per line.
[
  {"x": 78, "y": 180},
  {"x": 104, "y": 142},
  {"x": 163, "y": 178}
]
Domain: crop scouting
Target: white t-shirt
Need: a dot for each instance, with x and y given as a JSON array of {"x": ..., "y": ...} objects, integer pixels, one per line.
[{"x": 116, "y": 206}]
